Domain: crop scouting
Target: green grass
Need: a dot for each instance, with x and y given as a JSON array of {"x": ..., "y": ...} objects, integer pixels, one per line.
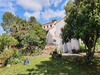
[{"x": 46, "y": 65}]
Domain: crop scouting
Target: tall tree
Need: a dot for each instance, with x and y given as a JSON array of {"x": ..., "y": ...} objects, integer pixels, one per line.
[
  {"x": 83, "y": 21},
  {"x": 41, "y": 34},
  {"x": 8, "y": 19},
  {"x": 32, "y": 22}
]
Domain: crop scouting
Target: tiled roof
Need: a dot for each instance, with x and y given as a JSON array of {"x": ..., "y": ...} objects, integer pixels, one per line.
[
  {"x": 48, "y": 23},
  {"x": 60, "y": 20}
]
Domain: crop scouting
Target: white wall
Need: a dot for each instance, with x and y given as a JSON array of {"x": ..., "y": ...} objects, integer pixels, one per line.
[
  {"x": 55, "y": 33},
  {"x": 50, "y": 36},
  {"x": 74, "y": 44}
]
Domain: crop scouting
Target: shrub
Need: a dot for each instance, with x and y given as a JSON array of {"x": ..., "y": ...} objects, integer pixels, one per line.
[
  {"x": 6, "y": 55},
  {"x": 82, "y": 46},
  {"x": 17, "y": 53},
  {"x": 15, "y": 60},
  {"x": 36, "y": 52},
  {"x": 75, "y": 51}
]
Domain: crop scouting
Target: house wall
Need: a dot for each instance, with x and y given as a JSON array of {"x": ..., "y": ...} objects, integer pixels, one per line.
[
  {"x": 50, "y": 36},
  {"x": 55, "y": 34},
  {"x": 67, "y": 47},
  {"x": 48, "y": 26}
]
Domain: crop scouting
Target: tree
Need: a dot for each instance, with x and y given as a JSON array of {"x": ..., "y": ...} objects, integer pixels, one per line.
[
  {"x": 30, "y": 39},
  {"x": 7, "y": 41},
  {"x": 19, "y": 28},
  {"x": 54, "y": 20},
  {"x": 41, "y": 34},
  {"x": 8, "y": 19},
  {"x": 12, "y": 41},
  {"x": 83, "y": 21},
  {"x": 32, "y": 20}
]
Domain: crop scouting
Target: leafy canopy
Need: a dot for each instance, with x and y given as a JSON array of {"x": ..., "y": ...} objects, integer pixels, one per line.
[{"x": 83, "y": 21}]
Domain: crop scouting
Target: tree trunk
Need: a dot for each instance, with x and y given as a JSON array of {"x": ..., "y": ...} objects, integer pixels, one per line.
[{"x": 91, "y": 54}]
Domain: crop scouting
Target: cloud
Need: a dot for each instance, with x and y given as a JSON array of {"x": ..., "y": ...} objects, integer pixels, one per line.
[
  {"x": 64, "y": 4},
  {"x": 56, "y": 2},
  {"x": 33, "y": 5},
  {"x": 49, "y": 13},
  {"x": 35, "y": 14},
  {"x": 36, "y": 6},
  {"x": 7, "y": 5}
]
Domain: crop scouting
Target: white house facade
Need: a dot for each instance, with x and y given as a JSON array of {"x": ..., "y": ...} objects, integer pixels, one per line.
[{"x": 54, "y": 36}]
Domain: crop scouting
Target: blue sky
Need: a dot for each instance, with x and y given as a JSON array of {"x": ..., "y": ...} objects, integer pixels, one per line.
[{"x": 43, "y": 10}]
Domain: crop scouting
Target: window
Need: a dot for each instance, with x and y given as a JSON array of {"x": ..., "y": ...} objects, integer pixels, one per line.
[
  {"x": 44, "y": 26},
  {"x": 50, "y": 25},
  {"x": 47, "y": 26},
  {"x": 54, "y": 40}
]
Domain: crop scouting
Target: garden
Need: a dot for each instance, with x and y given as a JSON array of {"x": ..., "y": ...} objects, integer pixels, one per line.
[
  {"x": 24, "y": 39},
  {"x": 21, "y": 38}
]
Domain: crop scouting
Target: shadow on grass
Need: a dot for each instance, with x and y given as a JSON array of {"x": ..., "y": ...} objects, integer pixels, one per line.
[{"x": 66, "y": 66}]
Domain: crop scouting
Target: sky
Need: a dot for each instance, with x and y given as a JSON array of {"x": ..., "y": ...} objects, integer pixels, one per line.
[{"x": 43, "y": 10}]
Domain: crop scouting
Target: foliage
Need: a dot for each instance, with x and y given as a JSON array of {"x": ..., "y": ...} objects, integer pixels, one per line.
[
  {"x": 29, "y": 39},
  {"x": 36, "y": 52},
  {"x": 8, "y": 19},
  {"x": 12, "y": 41},
  {"x": 78, "y": 51},
  {"x": 54, "y": 20},
  {"x": 6, "y": 55},
  {"x": 83, "y": 21},
  {"x": 98, "y": 45},
  {"x": 11, "y": 56},
  {"x": 82, "y": 46},
  {"x": 3, "y": 41},
  {"x": 27, "y": 32},
  {"x": 41, "y": 34},
  {"x": 7, "y": 41},
  {"x": 32, "y": 21},
  {"x": 15, "y": 60}
]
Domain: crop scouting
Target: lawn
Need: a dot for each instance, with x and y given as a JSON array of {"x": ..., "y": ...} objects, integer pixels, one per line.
[{"x": 45, "y": 65}]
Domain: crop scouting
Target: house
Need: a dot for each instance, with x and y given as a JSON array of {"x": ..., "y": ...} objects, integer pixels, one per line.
[{"x": 54, "y": 36}]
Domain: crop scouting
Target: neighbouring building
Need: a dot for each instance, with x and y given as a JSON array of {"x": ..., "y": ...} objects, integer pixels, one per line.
[{"x": 54, "y": 36}]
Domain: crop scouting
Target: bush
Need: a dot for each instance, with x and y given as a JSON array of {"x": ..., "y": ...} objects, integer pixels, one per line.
[
  {"x": 82, "y": 46},
  {"x": 11, "y": 56},
  {"x": 6, "y": 55},
  {"x": 36, "y": 52},
  {"x": 17, "y": 53},
  {"x": 98, "y": 45},
  {"x": 15, "y": 60},
  {"x": 78, "y": 51}
]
